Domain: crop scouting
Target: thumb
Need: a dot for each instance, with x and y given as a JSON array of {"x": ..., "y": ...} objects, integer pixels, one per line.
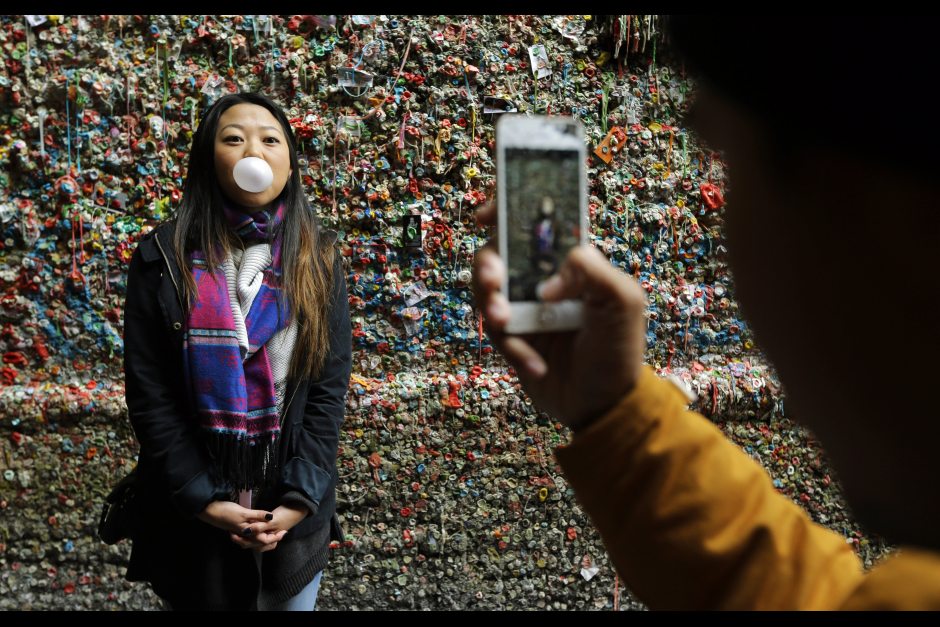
[
  {"x": 588, "y": 275},
  {"x": 258, "y": 514}
]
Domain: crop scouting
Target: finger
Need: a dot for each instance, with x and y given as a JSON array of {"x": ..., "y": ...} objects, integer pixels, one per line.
[
  {"x": 486, "y": 214},
  {"x": 269, "y": 537},
  {"x": 523, "y": 357},
  {"x": 488, "y": 276},
  {"x": 495, "y": 318},
  {"x": 497, "y": 313},
  {"x": 252, "y": 515},
  {"x": 258, "y": 541},
  {"x": 254, "y": 529},
  {"x": 271, "y": 541},
  {"x": 489, "y": 270},
  {"x": 257, "y": 528},
  {"x": 246, "y": 533}
]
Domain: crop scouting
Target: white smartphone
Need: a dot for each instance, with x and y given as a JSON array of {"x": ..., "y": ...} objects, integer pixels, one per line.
[{"x": 541, "y": 197}]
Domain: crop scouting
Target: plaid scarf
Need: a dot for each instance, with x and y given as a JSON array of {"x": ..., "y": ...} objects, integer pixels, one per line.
[{"x": 233, "y": 389}]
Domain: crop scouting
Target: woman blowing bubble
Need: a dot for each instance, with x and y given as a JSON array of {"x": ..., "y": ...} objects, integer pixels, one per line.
[{"x": 237, "y": 360}]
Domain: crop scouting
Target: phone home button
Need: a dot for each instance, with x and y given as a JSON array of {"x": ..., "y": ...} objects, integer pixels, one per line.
[{"x": 547, "y": 315}]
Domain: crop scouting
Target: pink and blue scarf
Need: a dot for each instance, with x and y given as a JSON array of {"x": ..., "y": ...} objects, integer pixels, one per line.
[{"x": 233, "y": 390}]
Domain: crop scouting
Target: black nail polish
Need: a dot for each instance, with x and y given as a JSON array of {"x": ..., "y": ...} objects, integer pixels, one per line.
[
  {"x": 269, "y": 517},
  {"x": 246, "y": 531}
]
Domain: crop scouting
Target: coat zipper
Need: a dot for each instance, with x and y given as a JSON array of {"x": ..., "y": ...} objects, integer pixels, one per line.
[{"x": 170, "y": 270}]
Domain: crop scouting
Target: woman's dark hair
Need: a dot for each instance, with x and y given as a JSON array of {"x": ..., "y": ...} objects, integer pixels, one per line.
[{"x": 307, "y": 273}]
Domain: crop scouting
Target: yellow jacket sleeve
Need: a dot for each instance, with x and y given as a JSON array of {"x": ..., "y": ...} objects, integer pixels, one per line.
[{"x": 690, "y": 521}]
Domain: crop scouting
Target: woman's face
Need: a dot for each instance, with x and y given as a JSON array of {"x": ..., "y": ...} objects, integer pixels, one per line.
[{"x": 249, "y": 130}]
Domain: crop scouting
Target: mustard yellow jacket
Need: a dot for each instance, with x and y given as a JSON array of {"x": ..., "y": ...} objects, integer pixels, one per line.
[{"x": 690, "y": 521}]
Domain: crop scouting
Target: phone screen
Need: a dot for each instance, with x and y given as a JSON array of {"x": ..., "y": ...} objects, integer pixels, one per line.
[{"x": 543, "y": 224}]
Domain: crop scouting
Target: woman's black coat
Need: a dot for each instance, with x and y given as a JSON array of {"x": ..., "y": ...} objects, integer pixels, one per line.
[{"x": 185, "y": 559}]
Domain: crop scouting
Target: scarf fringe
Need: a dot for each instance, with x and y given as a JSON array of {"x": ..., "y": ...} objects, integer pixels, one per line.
[{"x": 243, "y": 463}]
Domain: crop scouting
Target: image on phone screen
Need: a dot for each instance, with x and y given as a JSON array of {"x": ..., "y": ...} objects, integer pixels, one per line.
[{"x": 542, "y": 197}]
